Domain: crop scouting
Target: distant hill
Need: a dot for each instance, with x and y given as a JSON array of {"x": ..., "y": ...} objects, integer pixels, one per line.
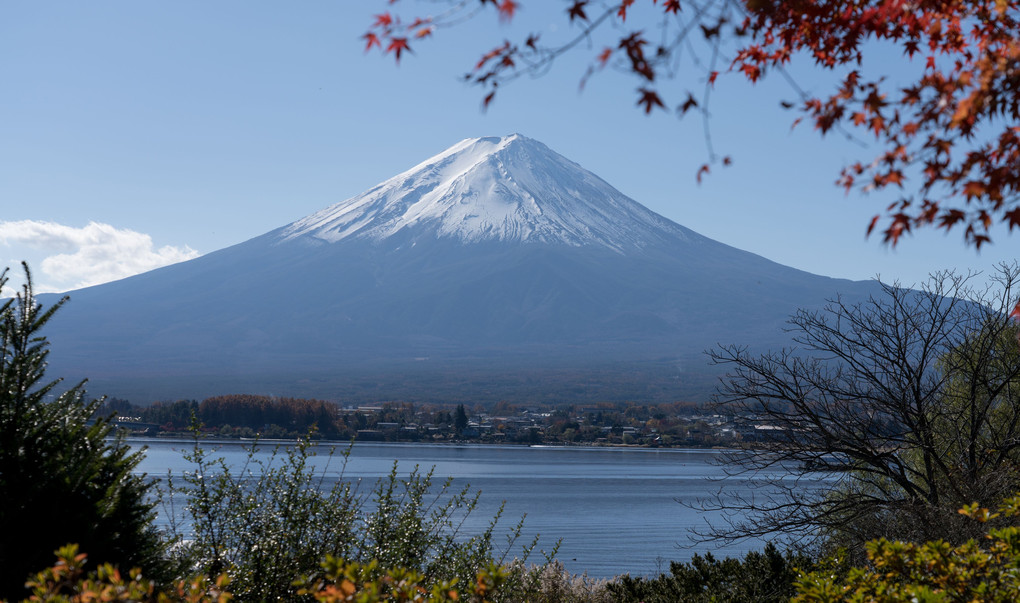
[{"x": 497, "y": 269}]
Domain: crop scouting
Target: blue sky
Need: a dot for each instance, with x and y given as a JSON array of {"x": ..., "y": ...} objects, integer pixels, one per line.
[{"x": 138, "y": 133}]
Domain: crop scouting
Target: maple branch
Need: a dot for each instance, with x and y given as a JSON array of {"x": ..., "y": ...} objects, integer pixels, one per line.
[
  {"x": 954, "y": 130},
  {"x": 704, "y": 105},
  {"x": 549, "y": 55},
  {"x": 804, "y": 96}
]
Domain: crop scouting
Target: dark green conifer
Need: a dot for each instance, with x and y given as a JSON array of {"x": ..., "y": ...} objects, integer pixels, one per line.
[
  {"x": 460, "y": 420},
  {"x": 64, "y": 478}
]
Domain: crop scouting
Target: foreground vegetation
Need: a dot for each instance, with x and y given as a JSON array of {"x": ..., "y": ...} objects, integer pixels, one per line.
[
  {"x": 270, "y": 521},
  {"x": 274, "y": 530},
  {"x": 986, "y": 570}
]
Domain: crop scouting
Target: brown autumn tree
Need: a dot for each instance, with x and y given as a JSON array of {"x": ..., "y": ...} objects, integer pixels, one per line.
[{"x": 948, "y": 139}]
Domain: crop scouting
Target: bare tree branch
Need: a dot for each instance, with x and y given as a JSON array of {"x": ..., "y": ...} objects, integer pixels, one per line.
[{"x": 889, "y": 414}]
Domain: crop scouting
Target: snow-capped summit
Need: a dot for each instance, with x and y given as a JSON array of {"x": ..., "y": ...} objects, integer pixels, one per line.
[{"x": 503, "y": 189}]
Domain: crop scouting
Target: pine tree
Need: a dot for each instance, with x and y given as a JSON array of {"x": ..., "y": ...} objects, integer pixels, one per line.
[
  {"x": 63, "y": 478},
  {"x": 460, "y": 420}
]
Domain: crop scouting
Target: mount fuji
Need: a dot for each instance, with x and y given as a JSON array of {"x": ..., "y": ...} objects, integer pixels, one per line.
[{"x": 496, "y": 269}]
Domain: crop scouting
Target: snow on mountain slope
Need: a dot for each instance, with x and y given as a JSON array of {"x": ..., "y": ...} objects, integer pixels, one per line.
[
  {"x": 495, "y": 260},
  {"x": 494, "y": 189}
]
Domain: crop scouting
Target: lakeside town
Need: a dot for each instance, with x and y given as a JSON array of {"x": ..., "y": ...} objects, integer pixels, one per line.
[{"x": 681, "y": 424}]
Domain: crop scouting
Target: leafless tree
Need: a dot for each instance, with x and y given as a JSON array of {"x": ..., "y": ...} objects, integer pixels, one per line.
[{"x": 884, "y": 419}]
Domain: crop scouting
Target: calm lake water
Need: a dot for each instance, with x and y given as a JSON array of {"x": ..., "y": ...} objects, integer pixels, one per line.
[{"x": 616, "y": 510}]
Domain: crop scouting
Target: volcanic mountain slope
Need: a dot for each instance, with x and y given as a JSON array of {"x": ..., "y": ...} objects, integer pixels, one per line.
[{"x": 496, "y": 261}]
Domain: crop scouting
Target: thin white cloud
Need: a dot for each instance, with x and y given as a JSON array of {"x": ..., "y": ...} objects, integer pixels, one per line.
[{"x": 68, "y": 258}]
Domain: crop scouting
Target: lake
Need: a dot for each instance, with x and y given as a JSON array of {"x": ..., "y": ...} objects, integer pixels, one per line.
[{"x": 616, "y": 510}]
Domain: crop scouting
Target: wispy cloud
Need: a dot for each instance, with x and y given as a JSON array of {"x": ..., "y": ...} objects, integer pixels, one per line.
[{"x": 73, "y": 257}]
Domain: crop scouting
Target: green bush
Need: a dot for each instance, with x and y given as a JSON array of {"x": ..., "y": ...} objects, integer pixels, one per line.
[
  {"x": 765, "y": 577},
  {"x": 929, "y": 572},
  {"x": 272, "y": 519},
  {"x": 63, "y": 478}
]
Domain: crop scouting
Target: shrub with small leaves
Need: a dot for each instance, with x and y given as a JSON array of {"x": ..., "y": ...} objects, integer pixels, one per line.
[
  {"x": 277, "y": 517},
  {"x": 264, "y": 523},
  {"x": 557, "y": 585},
  {"x": 344, "y": 582},
  {"x": 988, "y": 570}
]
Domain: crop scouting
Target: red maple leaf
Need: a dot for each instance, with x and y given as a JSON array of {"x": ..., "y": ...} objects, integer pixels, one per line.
[
  {"x": 495, "y": 52},
  {"x": 507, "y": 8},
  {"x": 702, "y": 171},
  {"x": 650, "y": 99},
  {"x": 371, "y": 40},
  {"x": 397, "y": 46},
  {"x": 874, "y": 222},
  {"x": 689, "y": 104},
  {"x": 622, "y": 12},
  {"x": 950, "y": 218},
  {"x": 577, "y": 10},
  {"x": 973, "y": 188},
  {"x": 1012, "y": 217}
]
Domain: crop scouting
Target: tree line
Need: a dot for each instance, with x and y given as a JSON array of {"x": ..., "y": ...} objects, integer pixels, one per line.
[
  {"x": 248, "y": 414},
  {"x": 602, "y": 423}
]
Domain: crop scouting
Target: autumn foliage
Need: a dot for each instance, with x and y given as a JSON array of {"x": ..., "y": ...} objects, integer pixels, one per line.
[
  {"x": 946, "y": 140},
  {"x": 978, "y": 570},
  {"x": 67, "y": 581}
]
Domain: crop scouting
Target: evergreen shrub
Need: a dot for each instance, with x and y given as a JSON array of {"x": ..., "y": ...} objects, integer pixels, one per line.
[{"x": 64, "y": 476}]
